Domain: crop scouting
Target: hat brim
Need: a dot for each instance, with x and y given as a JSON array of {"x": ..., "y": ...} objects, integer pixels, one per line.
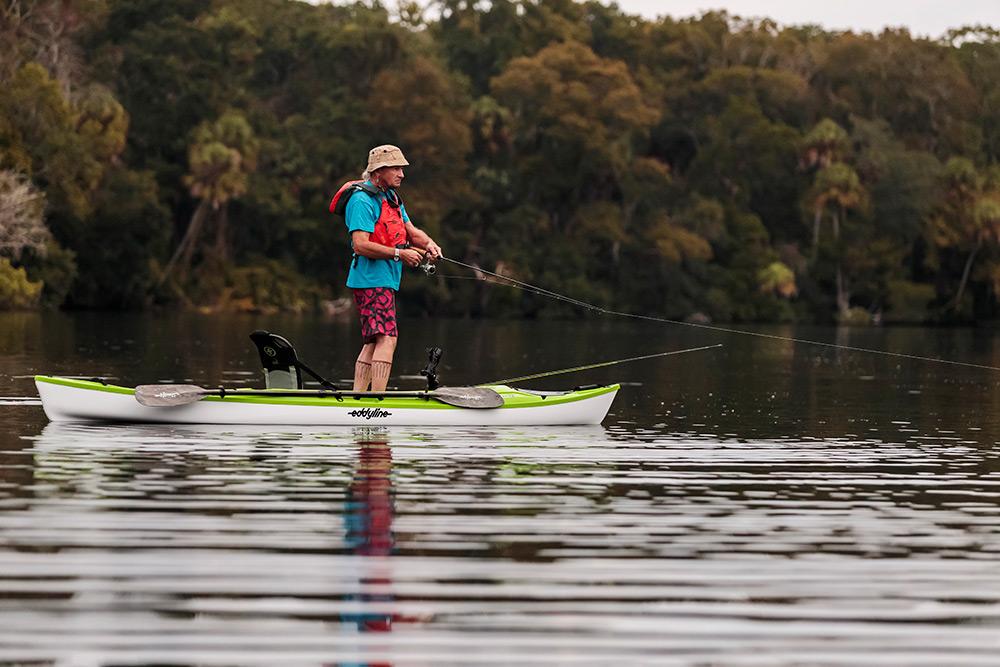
[
  {"x": 397, "y": 163},
  {"x": 392, "y": 163}
]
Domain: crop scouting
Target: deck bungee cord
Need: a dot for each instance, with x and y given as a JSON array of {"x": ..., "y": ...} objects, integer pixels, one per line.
[{"x": 534, "y": 289}]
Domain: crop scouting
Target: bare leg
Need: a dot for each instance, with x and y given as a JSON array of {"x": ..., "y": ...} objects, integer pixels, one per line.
[
  {"x": 363, "y": 368},
  {"x": 385, "y": 347}
]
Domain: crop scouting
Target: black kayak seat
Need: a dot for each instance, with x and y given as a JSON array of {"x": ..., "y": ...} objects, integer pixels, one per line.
[{"x": 277, "y": 356}]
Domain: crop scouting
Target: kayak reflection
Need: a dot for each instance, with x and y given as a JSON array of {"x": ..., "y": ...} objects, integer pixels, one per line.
[
  {"x": 201, "y": 491},
  {"x": 256, "y": 537}
]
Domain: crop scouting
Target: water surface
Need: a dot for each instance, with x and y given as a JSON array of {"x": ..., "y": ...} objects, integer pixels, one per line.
[{"x": 762, "y": 504}]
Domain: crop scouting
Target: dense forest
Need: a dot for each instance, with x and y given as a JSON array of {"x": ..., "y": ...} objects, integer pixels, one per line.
[{"x": 182, "y": 153}]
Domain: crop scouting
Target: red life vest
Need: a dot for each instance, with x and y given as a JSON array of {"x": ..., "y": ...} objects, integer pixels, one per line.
[{"x": 390, "y": 230}]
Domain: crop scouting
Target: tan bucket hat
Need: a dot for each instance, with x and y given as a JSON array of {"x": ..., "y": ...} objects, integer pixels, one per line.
[{"x": 386, "y": 155}]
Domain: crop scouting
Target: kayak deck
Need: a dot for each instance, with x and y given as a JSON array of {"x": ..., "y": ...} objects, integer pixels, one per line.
[{"x": 70, "y": 399}]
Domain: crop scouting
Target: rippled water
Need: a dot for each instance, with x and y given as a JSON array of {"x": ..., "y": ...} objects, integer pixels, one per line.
[{"x": 765, "y": 505}]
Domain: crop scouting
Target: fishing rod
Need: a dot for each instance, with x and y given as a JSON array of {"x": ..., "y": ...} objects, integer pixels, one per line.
[
  {"x": 603, "y": 364},
  {"x": 534, "y": 289}
]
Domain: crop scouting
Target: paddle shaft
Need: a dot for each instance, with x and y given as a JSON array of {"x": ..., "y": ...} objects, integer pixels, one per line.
[
  {"x": 222, "y": 392},
  {"x": 165, "y": 395}
]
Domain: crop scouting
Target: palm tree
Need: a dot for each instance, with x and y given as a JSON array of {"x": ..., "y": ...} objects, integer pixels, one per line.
[
  {"x": 221, "y": 157},
  {"x": 777, "y": 278},
  {"x": 823, "y": 146},
  {"x": 837, "y": 190},
  {"x": 986, "y": 226},
  {"x": 968, "y": 218}
]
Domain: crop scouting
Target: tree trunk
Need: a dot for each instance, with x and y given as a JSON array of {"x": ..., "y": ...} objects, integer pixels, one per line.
[
  {"x": 628, "y": 212},
  {"x": 843, "y": 296},
  {"x": 965, "y": 274},
  {"x": 817, "y": 219},
  {"x": 193, "y": 235},
  {"x": 186, "y": 247},
  {"x": 221, "y": 232}
]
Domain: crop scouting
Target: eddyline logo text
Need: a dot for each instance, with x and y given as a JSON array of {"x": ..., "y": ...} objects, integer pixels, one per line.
[{"x": 370, "y": 413}]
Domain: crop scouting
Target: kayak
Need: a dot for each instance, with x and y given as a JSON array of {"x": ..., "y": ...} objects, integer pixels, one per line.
[{"x": 71, "y": 399}]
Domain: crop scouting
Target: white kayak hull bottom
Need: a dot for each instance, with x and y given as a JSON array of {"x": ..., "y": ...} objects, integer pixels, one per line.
[{"x": 72, "y": 400}]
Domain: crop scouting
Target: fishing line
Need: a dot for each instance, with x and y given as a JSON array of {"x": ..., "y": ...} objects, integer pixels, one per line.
[
  {"x": 517, "y": 284},
  {"x": 602, "y": 364}
]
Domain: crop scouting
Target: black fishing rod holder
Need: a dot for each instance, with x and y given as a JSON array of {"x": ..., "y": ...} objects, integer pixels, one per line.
[{"x": 430, "y": 370}]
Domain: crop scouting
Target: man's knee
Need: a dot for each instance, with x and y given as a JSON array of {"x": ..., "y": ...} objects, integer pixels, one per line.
[
  {"x": 385, "y": 346},
  {"x": 366, "y": 353}
]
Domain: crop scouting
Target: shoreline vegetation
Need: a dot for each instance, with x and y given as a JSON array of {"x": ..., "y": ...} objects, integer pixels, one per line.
[{"x": 181, "y": 154}]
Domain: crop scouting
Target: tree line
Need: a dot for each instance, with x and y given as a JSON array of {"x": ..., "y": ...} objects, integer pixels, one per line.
[{"x": 183, "y": 153}]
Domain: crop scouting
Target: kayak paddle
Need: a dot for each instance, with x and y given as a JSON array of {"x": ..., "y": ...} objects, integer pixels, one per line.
[{"x": 170, "y": 395}]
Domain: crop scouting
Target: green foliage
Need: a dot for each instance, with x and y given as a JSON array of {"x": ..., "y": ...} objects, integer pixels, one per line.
[
  {"x": 221, "y": 155},
  {"x": 675, "y": 244},
  {"x": 965, "y": 225},
  {"x": 40, "y": 136},
  {"x": 908, "y": 301},
  {"x": 16, "y": 291},
  {"x": 750, "y": 160},
  {"x": 270, "y": 287},
  {"x": 780, "y": 95},
  {"x": 55, "y": 268},
  {"x": 101, "y": 122},
  {"x": 574, "y": 116},
  {"x": 776, "y": 278},
  {"x": 916, "y": 85},
  {"x": 854, "y": 317},
  {"x": 185, "y": 152},
  {"x": 130, "y": 226},
  {"x": 437, "y": 128},
  {"x": 825, "y": 143},
  {"x": 837, "y": 186}
]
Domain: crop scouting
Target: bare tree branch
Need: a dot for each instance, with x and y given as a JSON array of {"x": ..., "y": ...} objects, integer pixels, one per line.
[{"x": 22, "y": 208}]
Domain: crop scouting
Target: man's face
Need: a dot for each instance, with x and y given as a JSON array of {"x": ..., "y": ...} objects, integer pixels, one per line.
[{"x": 391, "y": 176}]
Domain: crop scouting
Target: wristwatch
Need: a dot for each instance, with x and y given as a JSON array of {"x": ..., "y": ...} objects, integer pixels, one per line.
[{"x": 395, "y": 257}]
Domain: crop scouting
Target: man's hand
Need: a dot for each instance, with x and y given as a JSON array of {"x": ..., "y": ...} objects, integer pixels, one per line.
[
  {"x": 434, "y": 250},
  {"x": 410, "y": 257}
]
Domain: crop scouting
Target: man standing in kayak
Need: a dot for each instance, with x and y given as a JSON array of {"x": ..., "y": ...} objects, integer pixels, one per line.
[{"x": 383, "y": 239}]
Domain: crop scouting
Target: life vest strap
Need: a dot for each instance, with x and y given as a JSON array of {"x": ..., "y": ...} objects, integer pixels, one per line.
[{"x": 338, "y": 205}]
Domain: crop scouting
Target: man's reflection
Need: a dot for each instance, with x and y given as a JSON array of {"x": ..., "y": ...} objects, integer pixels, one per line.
[{"x": 368, "y": 516}]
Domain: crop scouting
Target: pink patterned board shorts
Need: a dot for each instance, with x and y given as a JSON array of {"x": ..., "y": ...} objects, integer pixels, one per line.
[{"x": 377, "y": 312}]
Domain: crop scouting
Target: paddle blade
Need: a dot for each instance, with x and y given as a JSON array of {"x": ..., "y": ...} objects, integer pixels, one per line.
[
  {"x": 468, "y": 397},
  {"x": 167, "y": 395}
]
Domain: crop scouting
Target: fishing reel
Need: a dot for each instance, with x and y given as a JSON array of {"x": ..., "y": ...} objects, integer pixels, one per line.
[{"x": 427, "y": 266}]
